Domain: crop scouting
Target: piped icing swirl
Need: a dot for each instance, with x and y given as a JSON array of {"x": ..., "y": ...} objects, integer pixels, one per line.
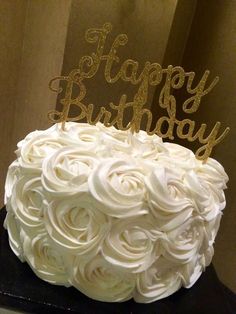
[{"x": 116, "y": 215}]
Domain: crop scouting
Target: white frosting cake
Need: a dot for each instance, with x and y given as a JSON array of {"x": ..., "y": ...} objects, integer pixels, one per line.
[{"x": 116, "y": 215}]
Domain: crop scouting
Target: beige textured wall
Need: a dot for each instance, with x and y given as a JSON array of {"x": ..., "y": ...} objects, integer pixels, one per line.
[
  {"x": 42, "y": 57},
  {"x": 175, "y": 46},
  {"x": 212, "y": 45},
  {"x": 12, "y": 20},
  {"x": 33, "y": 36},
  {"x": 141, "y": 20}
]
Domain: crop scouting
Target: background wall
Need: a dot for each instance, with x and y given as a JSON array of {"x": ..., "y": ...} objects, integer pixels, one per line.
[
  {"x": 12, "y": 23},
  {"x": 141, "y": 20},
  {"x": 41, "y": 39},
  {"x": 212, "y": 44},
  {"x": 32, "y": 41}
]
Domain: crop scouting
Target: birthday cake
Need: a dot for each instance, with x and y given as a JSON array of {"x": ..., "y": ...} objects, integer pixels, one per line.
[{"x": 116, "y": 214}]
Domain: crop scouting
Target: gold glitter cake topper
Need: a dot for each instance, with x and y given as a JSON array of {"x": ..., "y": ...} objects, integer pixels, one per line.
[{"x": 152, "y": 74}]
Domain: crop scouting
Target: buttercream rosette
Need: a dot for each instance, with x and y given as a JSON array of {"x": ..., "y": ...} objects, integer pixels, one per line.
[{"x": 116, "y": 215}]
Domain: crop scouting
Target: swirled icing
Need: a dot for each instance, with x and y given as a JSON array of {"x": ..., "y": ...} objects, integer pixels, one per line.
[{"x": 116, "y": 215}]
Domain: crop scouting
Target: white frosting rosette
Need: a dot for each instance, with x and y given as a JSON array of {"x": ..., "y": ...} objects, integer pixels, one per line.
[
  {"x": 45, "y": 260},
  {"x": 168, "y": 197},
  {"x": 76, "y": 226},
  {"x": 157, "y": 282},
  {"x": 190, "y": 272},
  {"x": 117, "y": 188},
  {"x": 12, "y": 177},
  {"x": 132, "y": 244},
  {"x": 36, "y": 149},
  {"x": 183, "y": 243},
  {"x": 116, "y": 215},
  {"x": 80, "y": 133},
  {"x": 12, "y": 226},
  {"x": 178, "y": 157},
  {"x": 213, "y": 173},
  {"x": 98, "y": 280},
  {"x": 138, "y": 145},
  {"x": 212, "y": 228},
  {"x": 67, "y": 171},
  {"x": 114, "y": 142},
  {"x": 208, "y": 198},
  {"x": 29, "y": 201},
  {"x": 147, "y": 147}
]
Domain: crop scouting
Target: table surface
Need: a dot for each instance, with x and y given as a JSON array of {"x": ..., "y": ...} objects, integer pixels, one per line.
[{"x": 22, "y": 290}]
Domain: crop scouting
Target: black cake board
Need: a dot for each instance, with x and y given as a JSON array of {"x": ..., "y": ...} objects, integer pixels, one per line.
[{"x": 22, "y": 290}]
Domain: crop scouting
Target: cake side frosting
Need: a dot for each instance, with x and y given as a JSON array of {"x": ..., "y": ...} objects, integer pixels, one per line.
[{"x": 116, "y": 215}]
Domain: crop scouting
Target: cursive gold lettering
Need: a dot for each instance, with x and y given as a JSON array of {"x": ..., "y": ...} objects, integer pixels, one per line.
[{"x": 152, "y": 74}]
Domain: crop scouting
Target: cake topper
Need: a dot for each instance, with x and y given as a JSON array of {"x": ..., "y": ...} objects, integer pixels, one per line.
[{"x": 152, "y": 74}]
